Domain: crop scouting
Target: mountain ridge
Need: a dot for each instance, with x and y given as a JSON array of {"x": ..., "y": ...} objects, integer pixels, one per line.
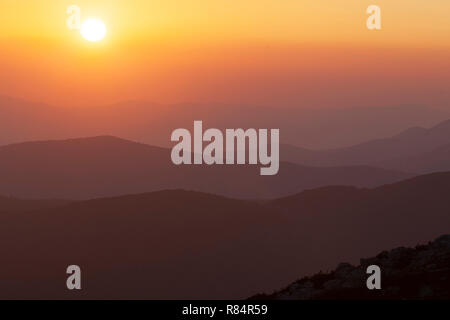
[
  {"x": 397, "y": 152},
  {"x": 133, "y": 119},
  {"x": 210, "y": 246},
  {"x": 93, "y": 167}
]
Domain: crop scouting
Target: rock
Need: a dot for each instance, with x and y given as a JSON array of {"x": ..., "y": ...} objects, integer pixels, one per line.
[
  {"x": 343, "y": 269},
  {"x": 407, "y": 273},
  {"x": 332, "y": 284}
]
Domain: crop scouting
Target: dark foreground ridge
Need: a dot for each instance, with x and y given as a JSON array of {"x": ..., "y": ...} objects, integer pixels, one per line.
[{"x": 422, "y": 272}]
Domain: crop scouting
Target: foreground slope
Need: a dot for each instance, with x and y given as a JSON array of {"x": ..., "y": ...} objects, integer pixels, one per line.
[
  {"x": 183, "y": 244},
  {"x": 416, "y": 273}
]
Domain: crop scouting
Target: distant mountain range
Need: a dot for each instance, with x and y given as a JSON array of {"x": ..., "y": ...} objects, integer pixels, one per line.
[
  {"x": 141, "y": 227},
  {"x": 416, "y": 150},
  {"x": 152, "y": 123},
  {"x": 420, "y": 273},
  {"x": 184, "y": 244},
  {"x": 108, "y": 166}
]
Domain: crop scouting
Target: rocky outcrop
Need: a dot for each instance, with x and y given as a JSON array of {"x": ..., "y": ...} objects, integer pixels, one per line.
[{"x": 422, "y": 272}]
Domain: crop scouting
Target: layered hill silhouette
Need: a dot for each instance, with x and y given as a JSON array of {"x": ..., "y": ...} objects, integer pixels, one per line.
[
  {"x": 416, "y": 273},
  {"x": 108, "y": 166},
  {"x": 417, "y": 150},
  {"x": 432, "y": 161},
  {"x": 153, "y": 123},
  {"x": 10, "y": 204},
  {"x": 183, "y": 244}
]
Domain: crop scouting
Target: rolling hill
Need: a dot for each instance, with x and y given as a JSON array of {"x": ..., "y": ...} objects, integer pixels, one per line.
[
  {"x": 427, "y": 162},
  {"x": 108, "y": 166},
  {"x": 183, "y": 244},
  {"x": 153, "y": 123},
  {"x": 10, "y": 204},
  {"x": 414, "y": 150}
]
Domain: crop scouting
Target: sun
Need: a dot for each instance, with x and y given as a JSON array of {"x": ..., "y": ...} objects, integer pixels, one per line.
[{"x": 93, "y": 29}]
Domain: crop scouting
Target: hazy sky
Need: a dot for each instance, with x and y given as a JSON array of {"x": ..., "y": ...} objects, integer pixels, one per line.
[{"x": 290, "y": 52}]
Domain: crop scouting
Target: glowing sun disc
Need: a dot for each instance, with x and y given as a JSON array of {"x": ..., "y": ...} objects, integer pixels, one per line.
[{"x": 93, "y": 29}]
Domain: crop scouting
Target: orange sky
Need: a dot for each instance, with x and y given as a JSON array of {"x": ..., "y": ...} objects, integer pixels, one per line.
[{"x": 305, "y": 53}]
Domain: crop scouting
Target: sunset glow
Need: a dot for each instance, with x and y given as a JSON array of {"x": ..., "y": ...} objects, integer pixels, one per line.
[{"x": 309, "y": 53}]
